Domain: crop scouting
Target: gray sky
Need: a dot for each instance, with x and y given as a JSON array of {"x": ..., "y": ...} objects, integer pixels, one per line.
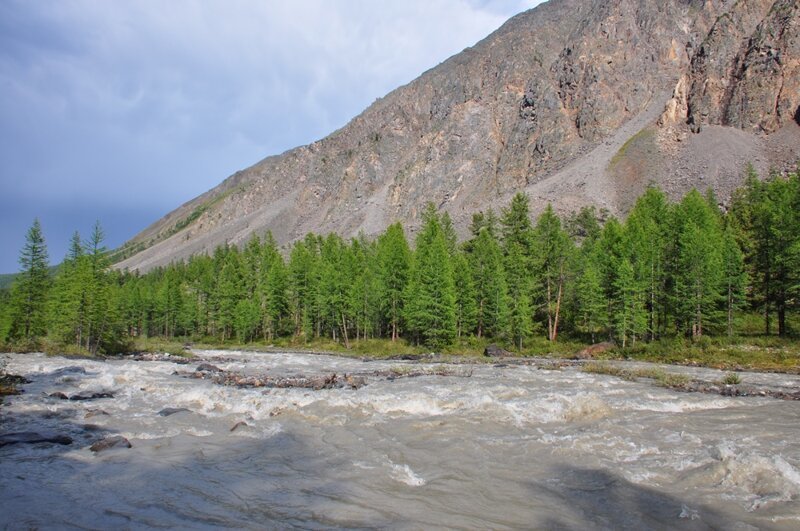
[{"x": 121, "y": 111}]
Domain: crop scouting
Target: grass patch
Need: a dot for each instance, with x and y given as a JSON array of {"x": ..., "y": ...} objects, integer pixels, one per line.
[
  {"x": 766, "y": 353},
  {"x": 661, "y": 377},
  {"x": 731, "y": 379},
  {"x": 645, "y": 136},
  {"x": 156, "y": 344}
]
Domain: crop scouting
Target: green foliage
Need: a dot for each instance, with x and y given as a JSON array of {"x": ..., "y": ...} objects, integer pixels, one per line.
[
  {"x": 518, "y": 261},
  {"x": 674, "y": 282},
  {"x": 552, "y": 268},
  {"x": 393, "y": 269},
  {"x": 731, "y": 379},
  {"x": 430, "y": 296},
  {"x": 698, "y": 279},
  {"x": 30, "y": 289},
  {"x": 489, "y": 281}
]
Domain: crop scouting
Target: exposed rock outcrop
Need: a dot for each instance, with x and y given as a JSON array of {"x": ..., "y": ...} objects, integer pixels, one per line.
[{"x": 575, "y": 102}]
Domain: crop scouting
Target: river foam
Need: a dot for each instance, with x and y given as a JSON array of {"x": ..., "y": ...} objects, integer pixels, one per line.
[{"x": 504, "y": 447}]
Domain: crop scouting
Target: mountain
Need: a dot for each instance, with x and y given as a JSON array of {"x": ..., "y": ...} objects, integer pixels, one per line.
[{"x": 575, "y": 102}]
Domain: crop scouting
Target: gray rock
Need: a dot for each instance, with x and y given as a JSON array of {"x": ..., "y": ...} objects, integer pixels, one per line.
[
  {"x": 115, "y": 441},
  {"x": 546, "y": 105},
  {"x": 29, "y": 437},
  {"x": 494, "y": 351},
  {"x": 168, "y": 411},
  {"x": 207, "y": 367},
  {"x": 92, "y": 396}
]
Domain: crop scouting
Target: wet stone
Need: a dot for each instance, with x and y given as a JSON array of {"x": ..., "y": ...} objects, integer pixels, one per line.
[
  {"x": 92, "y": 396},
  {"x": 116, "y": 441},
  {"x": 168, "y": 411},
  {"x": 207, "y": 367},
  {"x": 29, "y": 437},
  {"x": 239, "y": 425}
]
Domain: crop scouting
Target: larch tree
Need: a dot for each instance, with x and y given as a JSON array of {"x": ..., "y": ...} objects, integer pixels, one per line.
[
  {"x": 394, "y": 264},
  {"x": 31, "y": 288},
  {"x": 430, "y": 298},
  {"x": 646, "y": 235},
  {"x": 489, "y": 279},
  {"x": 698, "y": 279},
  {"x": 518, "y": 260},
  {"x": 551, "y": 267}
]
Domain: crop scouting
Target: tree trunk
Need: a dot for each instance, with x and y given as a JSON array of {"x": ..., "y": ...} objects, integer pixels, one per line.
[{"x": 344, "y": 333}]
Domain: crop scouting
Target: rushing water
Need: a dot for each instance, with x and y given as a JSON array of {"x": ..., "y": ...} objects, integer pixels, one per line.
[{"x": 508, "y": 447}]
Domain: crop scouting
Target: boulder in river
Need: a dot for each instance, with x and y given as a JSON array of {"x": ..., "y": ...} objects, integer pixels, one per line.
[
  {"x": 494, "y": 351},
  {"x": 115, "y": 441},
  {"x": 94, "y": 413},
  {"x": 30, "y": 437},
  {"x": 59, "y": 395}
]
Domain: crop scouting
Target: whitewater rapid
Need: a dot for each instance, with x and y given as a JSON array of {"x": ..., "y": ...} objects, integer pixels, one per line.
[{"x": 507, "y": 447}]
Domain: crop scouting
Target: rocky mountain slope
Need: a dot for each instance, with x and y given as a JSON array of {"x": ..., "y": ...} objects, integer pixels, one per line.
[{"x": 575, "y": 102}]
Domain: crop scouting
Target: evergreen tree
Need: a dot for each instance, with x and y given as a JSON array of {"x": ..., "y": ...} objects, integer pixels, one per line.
[
  {"x": 394, "y": 263},
  {"x": 646, "y": 236},
  {"x": 698, "y": 279},
  {"x": 591, "y": 302},
  {"x": 30, "y": 290},
  {"x": 304, "y": 272},
  {"x": 364, "y": 294},
  {"x": 247, "y": 318},
  {"x": 551, "y": 267},
  {"x": 430, "y": 297},
  {"x": 272, "y": 287},
  {"x": 584, "y": 227},
  {"x": 100, "y": 313},
  {"x": 227, "y": 294},
  {"x": 68, "y": 298},
  {"x": 334, "y": 290},
  {"x": 466, "y": 311},
  {"x": 734, "y": 277},
  {"x": 629, "y": 314},
  {"x": 491, "y": 297},
  {"x": 518, "y": 260}
]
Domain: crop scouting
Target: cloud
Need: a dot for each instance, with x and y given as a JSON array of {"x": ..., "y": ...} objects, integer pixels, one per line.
[{"x": 151, "y": 103}]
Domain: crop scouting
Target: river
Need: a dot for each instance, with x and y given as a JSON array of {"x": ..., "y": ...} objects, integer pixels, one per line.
[{"x": 496, "y": 447}]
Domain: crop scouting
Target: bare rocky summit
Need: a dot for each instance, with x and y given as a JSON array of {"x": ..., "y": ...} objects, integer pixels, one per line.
[{"x": 576, "y": 102}]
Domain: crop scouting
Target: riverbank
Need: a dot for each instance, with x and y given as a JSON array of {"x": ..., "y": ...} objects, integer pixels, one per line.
[{"x": 760, "y": 354}]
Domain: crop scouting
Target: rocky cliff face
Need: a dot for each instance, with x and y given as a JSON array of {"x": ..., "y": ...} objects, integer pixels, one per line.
[{"x": 575, "y": 102}]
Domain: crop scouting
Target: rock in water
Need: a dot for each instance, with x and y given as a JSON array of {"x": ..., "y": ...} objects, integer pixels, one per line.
[
  {"x": 167, "y": 411},
  {"x": 494, "y": 351},
  {"x": 116, "y": 441},
  {"x": 240, "y": 424},
  {"x": 29, "y": 437},
  {"x": 207, "y": 367},
  {"x": 92, "y": 396}
]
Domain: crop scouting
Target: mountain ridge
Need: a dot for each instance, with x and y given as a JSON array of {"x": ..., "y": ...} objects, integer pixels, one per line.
[{"x": 545, "y": 105}]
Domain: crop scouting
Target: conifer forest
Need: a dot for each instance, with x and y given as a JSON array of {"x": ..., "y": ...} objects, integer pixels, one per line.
[{"x": 669, "y": 269}]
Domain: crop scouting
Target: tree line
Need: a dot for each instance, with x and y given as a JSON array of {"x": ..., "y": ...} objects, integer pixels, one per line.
[{"x": 670, "y": 269}]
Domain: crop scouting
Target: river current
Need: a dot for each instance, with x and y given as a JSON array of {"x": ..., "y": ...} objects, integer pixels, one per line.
[{"x": 502, "y": 447}]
